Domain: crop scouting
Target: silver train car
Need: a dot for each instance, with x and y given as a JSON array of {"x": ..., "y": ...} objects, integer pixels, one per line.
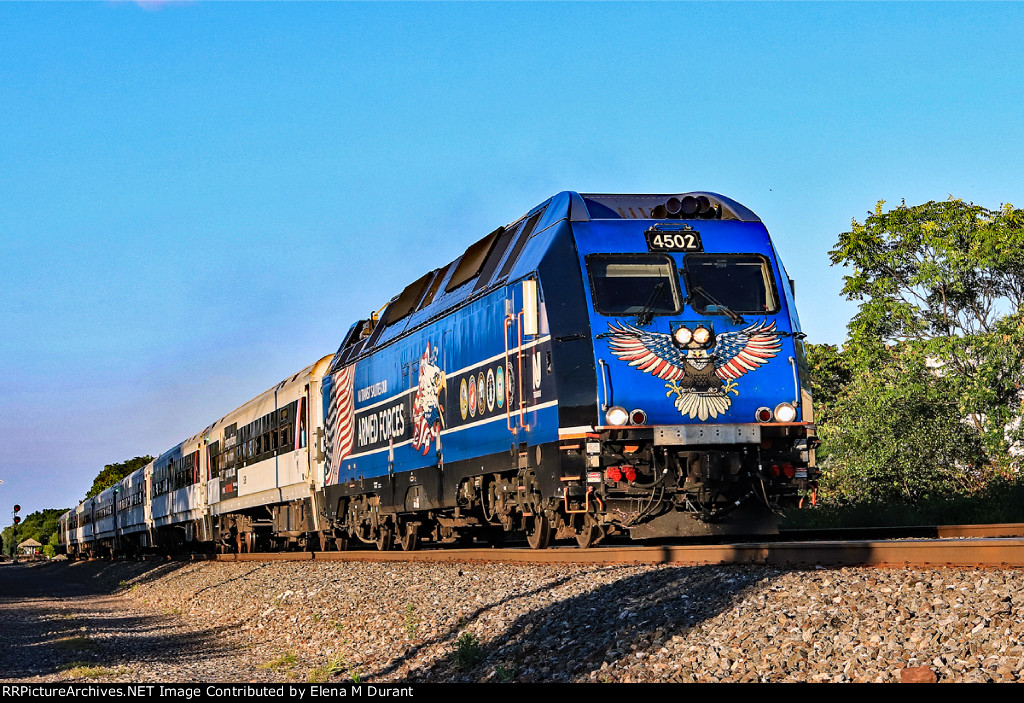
[{"x": 247, "y": 481}]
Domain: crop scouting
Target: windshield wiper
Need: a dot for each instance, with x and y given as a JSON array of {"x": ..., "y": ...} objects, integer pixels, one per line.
[
  {"x": 733, "y": 315},
  {"x": 647, "y": 312}
]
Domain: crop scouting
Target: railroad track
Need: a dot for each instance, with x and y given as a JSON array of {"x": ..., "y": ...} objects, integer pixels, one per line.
[{"x": 951, "y": 546}]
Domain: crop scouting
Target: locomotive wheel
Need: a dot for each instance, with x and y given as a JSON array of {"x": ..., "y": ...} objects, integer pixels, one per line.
[
  {"x": 588, "y": 535},
  {"x": 341, "y": 543},
  {"x": 538, "y": 534},
  {"x": 410, "y": 539},
  {"x": 385, "y": 538}
]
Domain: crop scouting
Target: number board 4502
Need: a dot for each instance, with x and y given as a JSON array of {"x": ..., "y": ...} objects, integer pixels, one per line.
[{"x": 673, "y": 240}]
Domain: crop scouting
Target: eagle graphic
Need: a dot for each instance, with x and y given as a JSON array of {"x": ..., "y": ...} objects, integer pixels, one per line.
[{"x": 700, "y": 376}]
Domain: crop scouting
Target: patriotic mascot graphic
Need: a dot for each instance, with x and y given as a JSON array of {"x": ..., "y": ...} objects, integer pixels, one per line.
[
  {"x": 427, "y": 411},
  {"x": 700, "y": 373}
]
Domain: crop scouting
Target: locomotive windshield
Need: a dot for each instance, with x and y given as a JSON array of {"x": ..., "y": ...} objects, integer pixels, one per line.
[
  {"x": 723, "y": 284},
  {"x": 630, "y": 284}
]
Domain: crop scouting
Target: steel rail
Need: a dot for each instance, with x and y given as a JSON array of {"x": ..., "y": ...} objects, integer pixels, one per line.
[
  {"x": 908, "y": 532},
  {"x": 1001, "y": 530},
  {"x": 1003, "y": 552}
]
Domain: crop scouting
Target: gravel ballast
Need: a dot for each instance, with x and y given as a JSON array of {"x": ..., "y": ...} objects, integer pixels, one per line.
[{"x": 441, "y": 622}]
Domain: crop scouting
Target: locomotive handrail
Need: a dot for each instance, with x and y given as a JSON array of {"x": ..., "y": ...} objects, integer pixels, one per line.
[
  {"x": 508, "y": 405},
  {"x": 586, "y": 502},
  {"x": 796, "y": 384},
  {"x": 522, "y": 400},
  {"x": 519, "y": 364},
  {"x": 604, "y": 384}
]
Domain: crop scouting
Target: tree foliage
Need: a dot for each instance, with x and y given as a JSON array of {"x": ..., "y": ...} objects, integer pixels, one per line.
[
  {"x": 933, "y": 271},
  {"x": 894, "y": 433},
  {"x": 40, "y": 526},
  {"x": 924, "y": 398},
  {"x": 112, "y": 473}
]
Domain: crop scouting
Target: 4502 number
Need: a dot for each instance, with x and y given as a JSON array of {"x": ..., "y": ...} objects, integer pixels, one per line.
[{"x": 674, "y": 241}]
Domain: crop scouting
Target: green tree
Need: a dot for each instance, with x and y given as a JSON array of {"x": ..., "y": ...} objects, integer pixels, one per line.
[
  {"x": 932, "y": 272},
  {"x": 925, "y": 394},
  {"x": 831, "y": 371},
  {"x": 9, "y": 541},
  {"x": 894, "y": 433},
  {"x": 51, "y": 547},
  {"x": 40, "y": 526},
  {"x": 112, "y": 473}
]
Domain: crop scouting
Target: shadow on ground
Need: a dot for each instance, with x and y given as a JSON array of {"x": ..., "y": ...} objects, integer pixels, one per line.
[
  {"x": 627, "y": 619},
  {"x": 61, "y": 615}
]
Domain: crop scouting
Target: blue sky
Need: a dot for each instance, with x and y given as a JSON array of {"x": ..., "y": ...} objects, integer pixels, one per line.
[{"x": 196, "y": 200}]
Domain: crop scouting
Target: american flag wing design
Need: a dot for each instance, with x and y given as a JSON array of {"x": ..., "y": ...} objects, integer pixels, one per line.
[
  {"x": 341, "y": 412},
  {"x": 651, "y": 352},
  {"x": 746, "y": 349}
]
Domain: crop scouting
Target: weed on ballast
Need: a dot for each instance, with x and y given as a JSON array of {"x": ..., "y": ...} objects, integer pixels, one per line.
[
  {"x": 506, "y": 674},
  {"x": 322, "y": 674},
  {"x": 285, "y": 661},
  {"x": 468, "y": 652},
  {"x": 411, "y": 621},
  {"x": 335, "y": 667}
]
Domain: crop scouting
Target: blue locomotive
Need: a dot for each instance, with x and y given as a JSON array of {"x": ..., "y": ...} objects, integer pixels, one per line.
[{"x": 607, "y": 364}]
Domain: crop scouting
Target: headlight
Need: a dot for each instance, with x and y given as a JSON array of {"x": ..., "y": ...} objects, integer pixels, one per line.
[
  {"x": 682, "y": 335},
  {"x": 701, "y": 335},
  {"x": 616, "y": 416},
  {"x": 784, "y": 412}
]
